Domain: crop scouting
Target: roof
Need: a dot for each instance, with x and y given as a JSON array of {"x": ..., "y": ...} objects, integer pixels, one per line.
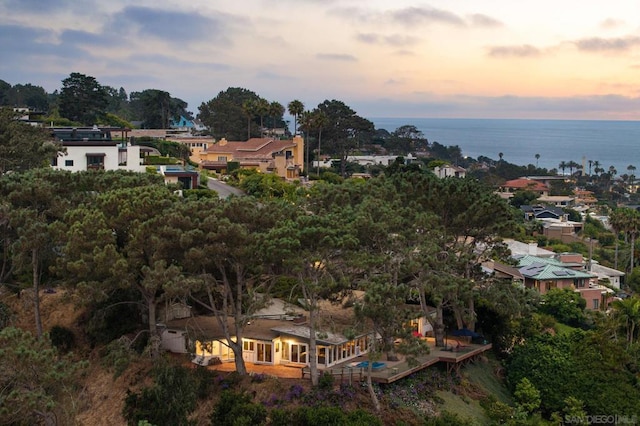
[
  {"x": 520, "y": 248},
  {"x": 545, "y": 271},
  {"x": 602, "y": 270},
  {"x": 528, "y": 184}
]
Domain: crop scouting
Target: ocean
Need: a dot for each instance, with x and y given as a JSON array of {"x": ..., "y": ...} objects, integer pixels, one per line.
[{"x": 611, "y": 143}]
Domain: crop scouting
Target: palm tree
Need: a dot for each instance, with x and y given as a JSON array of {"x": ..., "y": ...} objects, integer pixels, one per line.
[
  {"x": 627, "y": 312},
  {"x": 563, "y": 165},
  {"x": 249, "y": 109},
  {"x": 537, "y": 158},
  {"x": 500, "y": 155},
  {"x": 616, "y": 220},
  {"x": 596, "y": 166},
  {"x": 306, "y": 124},
  {"x": 275, "y": 111},
  {"x": 590, "y": 164},
  {"x": 632, "y": 176},
  {"x": 295, "y": 108},
  {"x": 571, "y": 165},
  {"x": 320, "y": 121},
  {"x": 262, "y": 109}
]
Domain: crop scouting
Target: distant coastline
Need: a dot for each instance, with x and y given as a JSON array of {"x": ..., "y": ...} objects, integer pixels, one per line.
[{"x": 611, "y": 143}]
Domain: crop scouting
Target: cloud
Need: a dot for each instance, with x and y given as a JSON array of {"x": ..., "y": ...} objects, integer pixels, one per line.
[
  {"x": 396, "y": 40},
  {"x": 480, "y": 20},
  {"x": 336, "y": 57},
  {"x": 611, "y": 23},
  {"x": 38, "y": 6},
  {"x": 597, "y": 44},
  {"x": 424, "y": 15},
  {"x": 522, "y": 51},
  {"x": 172, "y": 26},
  {"x": 406, "y": 17}
]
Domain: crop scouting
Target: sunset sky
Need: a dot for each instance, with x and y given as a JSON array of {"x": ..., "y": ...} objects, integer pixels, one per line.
[{"x": 564, "y": 59}]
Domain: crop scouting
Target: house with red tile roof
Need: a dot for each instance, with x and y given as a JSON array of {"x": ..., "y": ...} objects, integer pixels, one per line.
[
  {"x": 508, "y": 188},
  {"x": 283, "y": 157}
]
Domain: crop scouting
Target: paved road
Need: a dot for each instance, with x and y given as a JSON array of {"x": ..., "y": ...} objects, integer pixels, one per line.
[{"x": 223, "y": 190}]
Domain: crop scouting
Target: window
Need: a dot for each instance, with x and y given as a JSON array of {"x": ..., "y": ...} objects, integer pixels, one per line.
[
  {"x": 248, "y": 346},
  {"x": 68, "y": 163},
  {"x": 95, "y": 161},
  {"x": 288, "y": 154},
  {"x": 222, "y": 158},
  {"x": 596, "y": 303},
  {"x": 54, "y": 162}
]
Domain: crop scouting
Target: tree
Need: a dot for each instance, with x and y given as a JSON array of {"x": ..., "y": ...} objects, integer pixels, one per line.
[
  {"x": 527, "y": 396},
  {"x": 317, "y": 244},
  {"x": 23, "y": 147},
  {"x": 229, "y": 256},
  {"x": 538, "y": 158},
  {"x": 565, "y": 305},
  {"x": 627, "y": 313},
  {"x": 457, "y": 224},
  {"x": 275, "y": 111},
  {"x": 156, "y": 108},
  {"x": 224, "y": 114},
  {"x": 249, "y": 109},
  {"x": 127, "y": 238},
  {"x": 562, "y": 166},
  {"x": 82, "y": 99},
  {"x": 344, "y": 129},
  {"x": 295, "y": 108},
  {"x": 29, "y": 96},
  {"x": 36, "y": 381}
]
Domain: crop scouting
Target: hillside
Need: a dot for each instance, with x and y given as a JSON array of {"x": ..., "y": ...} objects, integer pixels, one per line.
[{"x": 100, "y": 400}]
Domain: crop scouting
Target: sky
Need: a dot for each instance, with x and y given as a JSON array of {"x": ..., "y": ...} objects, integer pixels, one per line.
[{"x": 561, "y": 59}]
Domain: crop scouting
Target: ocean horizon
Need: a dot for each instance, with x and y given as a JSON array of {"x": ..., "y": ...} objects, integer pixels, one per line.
[{"x": 611, "y": 143}]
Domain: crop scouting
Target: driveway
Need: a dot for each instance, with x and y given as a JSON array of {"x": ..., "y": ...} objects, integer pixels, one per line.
[{"x": 223, "y": 190}]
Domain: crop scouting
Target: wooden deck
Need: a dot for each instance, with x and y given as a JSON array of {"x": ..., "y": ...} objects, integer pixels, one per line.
[{"x": 454, "y": 357}]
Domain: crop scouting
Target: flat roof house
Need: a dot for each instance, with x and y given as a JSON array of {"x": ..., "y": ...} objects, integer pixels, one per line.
[{"x": 92, "y": 148}]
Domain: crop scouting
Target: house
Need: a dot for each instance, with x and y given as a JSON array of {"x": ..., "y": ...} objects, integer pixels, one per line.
[
  {"x": 448, "y": 170},
  {"x": 562, "y": 201},
  {"x": 542, "y": 211},
  {"x": 186, "y": 177},
  {"x": 531, "y": 248},
  {"x": 565, "y": 270},
  {"x": 367, "y": 160},
  {"x": 508, "y": 188},
  {"x": 196, "y": 144},
  {"x": 284, "y": 158},
  {"x": 278, "y": 334},
  {"x": 92, "y": 148},
  {"x": 607, "y": 276}
]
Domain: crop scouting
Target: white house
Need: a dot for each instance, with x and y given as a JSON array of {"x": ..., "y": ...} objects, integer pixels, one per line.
[
  {"x": 448, "y": 170},
  {"x": 92, "y": 148}
]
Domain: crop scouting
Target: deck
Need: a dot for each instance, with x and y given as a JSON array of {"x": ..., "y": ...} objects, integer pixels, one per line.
[{"x": 454, "y": 357}]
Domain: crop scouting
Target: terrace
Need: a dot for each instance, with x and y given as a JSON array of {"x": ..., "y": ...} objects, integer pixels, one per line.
[{"x": 455, "y": 355}]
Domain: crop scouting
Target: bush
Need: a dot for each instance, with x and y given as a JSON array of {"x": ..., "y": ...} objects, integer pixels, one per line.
[
  {"x": 237, "y": 409},
  {"x": 168, "y": 402},
  {"x": 5, "y": 316},
  {"x": 326, "y": 381},
  {"x": 62, "y": 338}
]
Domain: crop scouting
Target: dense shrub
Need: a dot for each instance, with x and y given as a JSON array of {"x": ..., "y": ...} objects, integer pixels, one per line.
[
  {"x": 62, "y": 338},
  {"x": 168, "y": 402},
  {"x": 237, "y": 409}
]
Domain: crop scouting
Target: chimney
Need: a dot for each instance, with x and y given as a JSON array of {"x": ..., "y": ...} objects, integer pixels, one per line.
[{"x": 533, "y": 249}]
